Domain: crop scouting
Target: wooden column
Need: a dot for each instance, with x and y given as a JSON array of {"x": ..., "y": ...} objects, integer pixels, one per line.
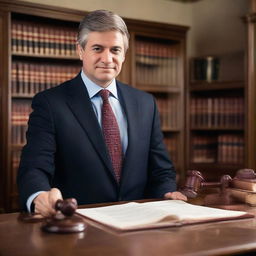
[
  {"x": 251, "y": 93},
  {"x": 4, "y": 106}
]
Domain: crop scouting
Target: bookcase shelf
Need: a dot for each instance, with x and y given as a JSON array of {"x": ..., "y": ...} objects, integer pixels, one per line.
[
  {"x": 212, "y": 128},
  {"x": 216, "y": 126},
  {"x": 159, "y": 88},
  {"x": 217, "y": 85},
  {"x": 22, "y": 96},
  {"x": 34, "y": 60},
  {"x": 172, "y": 130},
  {"x": 216, "y": 166},
  {"x": 45, "y": 56},
  {"x": 158, "y": 67}
]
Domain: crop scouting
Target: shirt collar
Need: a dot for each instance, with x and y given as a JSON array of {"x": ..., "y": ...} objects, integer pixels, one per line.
[{"x": 93, "y": 88}]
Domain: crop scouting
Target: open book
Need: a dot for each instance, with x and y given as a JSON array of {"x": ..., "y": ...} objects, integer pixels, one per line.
[{"x": 134, "y": 216}]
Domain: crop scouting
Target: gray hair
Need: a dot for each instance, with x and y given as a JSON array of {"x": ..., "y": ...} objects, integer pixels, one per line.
[{"x": 102, "y": 21}]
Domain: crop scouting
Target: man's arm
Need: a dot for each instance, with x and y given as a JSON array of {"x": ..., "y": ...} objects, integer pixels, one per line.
[
  {"x": 37, "y": 161},
  {"x": 162, "y": 172}
]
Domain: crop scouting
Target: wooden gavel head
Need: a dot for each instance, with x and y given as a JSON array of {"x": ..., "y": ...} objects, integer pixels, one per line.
[
  {"x": 225, "y": 182},
  {"x": 194, "y": 180},
  {"x": 193, "y": 183},
  {"x": 67, "y": 206}
]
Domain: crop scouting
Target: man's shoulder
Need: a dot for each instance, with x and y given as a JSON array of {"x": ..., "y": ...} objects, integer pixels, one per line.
[{"x": 57, "y": 91}]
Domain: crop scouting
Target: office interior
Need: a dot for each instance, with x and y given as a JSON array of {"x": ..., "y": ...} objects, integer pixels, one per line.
[{"x": 209, "y": 31}]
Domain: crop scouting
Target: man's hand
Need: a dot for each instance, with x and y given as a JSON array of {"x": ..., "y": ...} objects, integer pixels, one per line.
[
  {"x": 45, "y": 202},
  {"x": 175, "y": 196}
]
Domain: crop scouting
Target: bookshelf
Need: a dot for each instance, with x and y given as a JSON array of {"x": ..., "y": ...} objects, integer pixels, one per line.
[
  {"x": 37, "y": 52},
  {"x": 157, "y": 65},
  {"x": 216, "y": 124}
]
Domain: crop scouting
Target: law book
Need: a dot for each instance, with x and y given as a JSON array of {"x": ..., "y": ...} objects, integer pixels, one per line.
[
  {"x": 167, "y": 213},
  {"x": 244, "y": 196},
  {"x": 246, "y": 184}
]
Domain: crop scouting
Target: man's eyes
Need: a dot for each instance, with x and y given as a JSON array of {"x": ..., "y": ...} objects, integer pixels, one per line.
[
  {"x": 97, "y": 49},
  {"x": 115, "y": 50}
]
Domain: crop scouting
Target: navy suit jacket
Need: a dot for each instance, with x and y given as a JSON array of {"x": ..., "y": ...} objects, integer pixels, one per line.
[{"x": 65, "y": 148}]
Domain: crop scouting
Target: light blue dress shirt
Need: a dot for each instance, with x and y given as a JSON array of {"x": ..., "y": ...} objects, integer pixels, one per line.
[
  {"x": 93, "y": 91},
  {"x": 96, "y": 100}
]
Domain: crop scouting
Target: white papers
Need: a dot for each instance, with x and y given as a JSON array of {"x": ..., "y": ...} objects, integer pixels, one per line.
[{"x": 154, "y": 214}]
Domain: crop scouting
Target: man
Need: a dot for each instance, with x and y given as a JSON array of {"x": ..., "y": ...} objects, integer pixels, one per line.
[{"x": 70, "y": 151}]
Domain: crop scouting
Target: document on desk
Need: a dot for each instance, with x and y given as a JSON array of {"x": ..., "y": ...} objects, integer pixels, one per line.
[{"x": 166, "y": 213}]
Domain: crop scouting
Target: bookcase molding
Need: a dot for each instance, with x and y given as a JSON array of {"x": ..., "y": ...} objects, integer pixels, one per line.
[
  {"x": 20, "y": 79},
  {"x": 251, "y": 90}
]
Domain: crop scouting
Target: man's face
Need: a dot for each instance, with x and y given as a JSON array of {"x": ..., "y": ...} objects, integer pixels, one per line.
[{"x": 103, "y": 56}]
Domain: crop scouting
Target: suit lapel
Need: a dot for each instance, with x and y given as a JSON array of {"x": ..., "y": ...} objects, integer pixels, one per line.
[
  {"x": 80, "y": 104},
  {"x": 132, "y": 111}
]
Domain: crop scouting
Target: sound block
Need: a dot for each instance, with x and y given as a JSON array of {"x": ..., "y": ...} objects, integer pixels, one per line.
[
  {"x": 30, "y": 217},
  {"x": 60, "y": 223}
]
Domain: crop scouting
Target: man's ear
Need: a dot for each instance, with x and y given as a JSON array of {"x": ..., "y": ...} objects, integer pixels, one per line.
[
  {"x": 80, "y": 51},
  {"x": 123, "y": 57}
]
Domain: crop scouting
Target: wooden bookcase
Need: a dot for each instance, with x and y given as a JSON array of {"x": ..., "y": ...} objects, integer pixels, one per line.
[
  {"x": 37, "y": 51},
  {"x": 217, "y": 124}
]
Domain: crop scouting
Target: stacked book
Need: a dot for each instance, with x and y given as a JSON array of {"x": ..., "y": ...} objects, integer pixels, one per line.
[{"x": 244, "y": 189}]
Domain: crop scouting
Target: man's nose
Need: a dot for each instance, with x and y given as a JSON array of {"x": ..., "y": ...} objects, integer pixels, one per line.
[{"x": 106, "y": 56}]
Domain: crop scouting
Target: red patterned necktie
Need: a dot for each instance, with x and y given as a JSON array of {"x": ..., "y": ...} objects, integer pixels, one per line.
[{"x": 111, "y": 134}]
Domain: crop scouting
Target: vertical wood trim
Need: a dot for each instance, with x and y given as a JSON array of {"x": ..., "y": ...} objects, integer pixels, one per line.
[
  {"x": 251, "y": 158},
  {"x": 251, "y": 90},
  {"x": 5, "y": 106}
]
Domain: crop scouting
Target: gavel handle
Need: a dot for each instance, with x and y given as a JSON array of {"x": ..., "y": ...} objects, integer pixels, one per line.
[{"x": 210, "y": 184}]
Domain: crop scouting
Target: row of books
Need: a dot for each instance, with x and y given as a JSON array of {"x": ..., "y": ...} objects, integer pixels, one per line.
[
  {"x": 18, "y": 135},
  {"x": 224, "y": 148},
  {"x": 15, "y": 165},
  {"x": 155, "y": 49},
  {"x": 168, "y": 109},
  {"x": 19, "y": 119},
  {"x": 217, "y": 112},
  {"x": 162, "y": 74},
  {"x": 39, "y": 38},
  {"x": 28, "y": 78},
  {"x": 172, "y": 146},
  {"x": 231, "y": 149},
  {"x": 205, "y": 69},
  {"x": 20, "y": 112},
  {"x": 156, "y": 63}
]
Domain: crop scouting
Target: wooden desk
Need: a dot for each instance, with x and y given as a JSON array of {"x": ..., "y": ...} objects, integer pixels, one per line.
[{"x": 219, "y": 238}]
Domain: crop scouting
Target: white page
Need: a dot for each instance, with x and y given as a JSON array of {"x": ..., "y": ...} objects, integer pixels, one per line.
[
  {"x": 126, "y": 215},
  {"x": 187, "y": 211}
]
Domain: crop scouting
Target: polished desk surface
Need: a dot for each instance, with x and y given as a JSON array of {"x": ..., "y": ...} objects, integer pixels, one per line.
[{"x": 217, "y": 238}]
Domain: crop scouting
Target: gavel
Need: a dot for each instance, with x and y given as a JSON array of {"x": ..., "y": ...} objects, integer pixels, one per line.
[
  {"x": 195, "y": 181},
  {"x": 67, "y": 207},
  {"x": 65, "y": 220}
]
